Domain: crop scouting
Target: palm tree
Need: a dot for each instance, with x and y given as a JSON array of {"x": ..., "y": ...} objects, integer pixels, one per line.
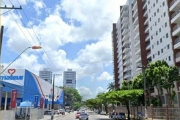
[{"x": 111, "y": 86}]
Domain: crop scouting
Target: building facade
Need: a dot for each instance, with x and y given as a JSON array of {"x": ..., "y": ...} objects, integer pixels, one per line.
[
  {"x": 28, "y": 85},
  {"x": 69, "y": 78},
  {"x": 146, "y": 31},
  {"x": 46, "y": 74}
]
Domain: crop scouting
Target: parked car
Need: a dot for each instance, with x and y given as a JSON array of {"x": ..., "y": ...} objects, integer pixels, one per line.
[
  {"x": 84, "y": 116},
  {"x": 120, "y": 116},
  {"x": 77, "y": 115},
  {"x": 103, "y": 113},
  {"x": 62, "y": 111},
  {"x": 48, "y": 112}
]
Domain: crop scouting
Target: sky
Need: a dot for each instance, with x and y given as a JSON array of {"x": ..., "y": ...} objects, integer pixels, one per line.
[{"x": 74, "y": 34}]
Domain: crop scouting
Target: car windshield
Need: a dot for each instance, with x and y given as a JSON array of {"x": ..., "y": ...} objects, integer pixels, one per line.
[{"x": 83, "y": 114}]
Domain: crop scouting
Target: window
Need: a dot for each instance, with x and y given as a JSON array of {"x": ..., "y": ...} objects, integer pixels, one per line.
[
  {"x": 166, "y": 24},
  {"x": 163, "y": 3},
  {"x": 158, "y": 53},
  {"x": 159, "y": 29},
  {"x": 156, "y": 1},
  {"x": 166, "y": 35},
  {"x": 168, "y": 46},
  {"x": 154, "y": 13},
  {"x": 158, "y": 19},
  {"x": 149, "y": 2},
  {"x": 154, "y": 5},
  {"x": 152, "y": 46},
  {"x": 156, "y": 32},
  {"x": 164, "y": 14},
  {"x": 169, "y": 58},
  {"x": 160, "y": 40},
  {"x": 155, "y": 24},
  {"x": 157, "y": 42},
  {"x": 157, "y": 10},
  {"x": 161, "y": 50},
  {"x": 153, "y": 55},
  {"x": 151, "y": 37}
]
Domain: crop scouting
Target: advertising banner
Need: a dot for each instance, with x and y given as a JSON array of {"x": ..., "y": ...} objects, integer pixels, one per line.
[
  {"x": 46, "y": 103},
  {"x": 13, "y": 98},
  {"x": 36, "y": 100},
  {"x": 41, "y": 102}
]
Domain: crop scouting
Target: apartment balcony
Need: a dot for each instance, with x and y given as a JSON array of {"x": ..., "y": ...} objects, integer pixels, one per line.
[
  {"x": 147, "y": 29},
  {"x": 138, "y": 58},
  {"x": 146, "y": 21},
  {"x": 125, "y": 43},
  {"x": 126, "y": 50},
  {"x": 145, "y": 13},
  {"x": 178, "y": 57},
  {"x": 124, "y": 13},
  {"x": 138, "y": 70},
  {"x": 147, "y": 38},
  {"x": 136, "y": 37},
  {"x": 124, "y": 8},
  {"x": 135, "y": 13},
  {"x": 135, "y": 20},
  {"x": 176, "y": 30},
  {"x": 174, "y": 5},
  {"x": 144, "y": 4},
  {"x": 127, "y": 62},
  {"x": 124, "y": 31},
  {"x": 134, "y": 5},
  {"x": 125, "y": 56},
  {"x": 125, "y": 19},
  {"x": 148, "y": 54},
  {"x": 126, "y": 37},
  {"x": 137, "y": 43},
  {"x": 175, "y": 16},
  {"x": 148, "y": 47},
  {"x": 137, "y": 51},
  {"x": 136, "y": 28},
  {"x": 133, "y": 1},
  {"x": 177, "y": 43},
  {"x": 126, "y": 76},
  {"x": 124, "y": 26}
]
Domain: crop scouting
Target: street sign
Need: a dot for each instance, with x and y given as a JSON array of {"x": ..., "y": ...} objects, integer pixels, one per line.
[{"x": 13, "y": 98}]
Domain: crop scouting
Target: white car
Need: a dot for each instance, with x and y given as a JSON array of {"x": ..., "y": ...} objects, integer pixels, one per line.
[{"x": 103, "y": 113}]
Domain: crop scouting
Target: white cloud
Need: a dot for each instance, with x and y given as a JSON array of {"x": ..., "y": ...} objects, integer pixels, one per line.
[
  {"x": 105, "y": 76},
  {"x": 96, "y": 18},
  {"x": 85, "y": 93},
  {"x": 99, "y": 90}
]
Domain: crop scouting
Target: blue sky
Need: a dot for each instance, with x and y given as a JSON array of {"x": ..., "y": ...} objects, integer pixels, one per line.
[{"x": 74, "y": 34}]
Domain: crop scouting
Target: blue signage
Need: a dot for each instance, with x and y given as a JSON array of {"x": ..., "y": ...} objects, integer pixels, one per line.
[
  {"x": 45, "y": 103},
  {"x": 11, "y": 77},
  {"x": 36, "y": 101}
]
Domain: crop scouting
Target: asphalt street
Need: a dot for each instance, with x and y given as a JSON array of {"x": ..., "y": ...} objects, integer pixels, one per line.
[{"x": 71, "y": 116}]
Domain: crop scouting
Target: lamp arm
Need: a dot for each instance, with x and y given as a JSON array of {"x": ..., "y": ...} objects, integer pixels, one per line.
[{"x": 15, "y": 59}]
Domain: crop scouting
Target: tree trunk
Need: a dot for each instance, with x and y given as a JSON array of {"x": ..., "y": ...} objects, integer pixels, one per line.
[
  {"x": 127, "y": 106},
  {"x": 159, "y": 96},
  {"x": 106, "y": 109}
]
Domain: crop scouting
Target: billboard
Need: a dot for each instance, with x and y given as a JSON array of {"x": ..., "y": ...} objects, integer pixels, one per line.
[
  {"x": 13, "y": 98},
  {"x": 13, "y": 76}
]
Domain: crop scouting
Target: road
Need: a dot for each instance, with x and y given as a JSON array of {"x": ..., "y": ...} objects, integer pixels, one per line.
[{"x": 71, "y": 116}]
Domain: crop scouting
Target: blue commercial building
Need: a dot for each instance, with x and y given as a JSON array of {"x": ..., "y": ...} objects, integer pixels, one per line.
[{"x": 30, "y": 88}]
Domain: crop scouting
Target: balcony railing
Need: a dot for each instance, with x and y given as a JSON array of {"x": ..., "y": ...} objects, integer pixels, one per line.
[
  {"x": 176, "y": 27},
  {"x": 172, "y": 2},
  {"x": 177, "y": 40},
  {"x": 175, "y": 13}
]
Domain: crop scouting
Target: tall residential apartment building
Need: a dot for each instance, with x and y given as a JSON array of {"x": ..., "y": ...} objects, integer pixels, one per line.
[
  {"x": 46, "y": 74},
  {"x": 69, "y": 78},
  {"x": 146, "y": 31}
]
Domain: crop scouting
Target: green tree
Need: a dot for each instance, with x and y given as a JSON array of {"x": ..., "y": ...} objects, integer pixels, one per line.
[
  {"x": 111, "y": 86},
  {"x": 123, "y": 96},
  {"x": 72, "y": 97}
]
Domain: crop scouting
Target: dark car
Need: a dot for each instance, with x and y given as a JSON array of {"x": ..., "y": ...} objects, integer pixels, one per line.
[
  {"x": 121, "y": 116},
  {"x": 83, "y": 116},
  {"x": 48, "y": 112}
]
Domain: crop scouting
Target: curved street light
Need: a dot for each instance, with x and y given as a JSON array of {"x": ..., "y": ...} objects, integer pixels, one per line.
[{"x": 32, "y": 47}]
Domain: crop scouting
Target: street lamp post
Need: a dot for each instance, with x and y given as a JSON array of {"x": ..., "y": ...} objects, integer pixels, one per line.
[
  {"x": 33, "y": 47},
  {"x": 52, "y": 106},
  {"x": 145, "y": 104}
]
